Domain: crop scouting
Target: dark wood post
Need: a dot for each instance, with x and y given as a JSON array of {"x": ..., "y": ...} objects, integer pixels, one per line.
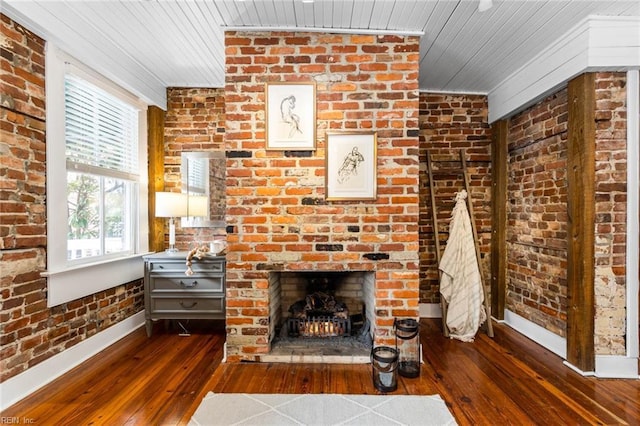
[
  {"x": 581, "y": 216},
  {"x": 499, "y": 171},
  {"x": 155, "y": 147}
]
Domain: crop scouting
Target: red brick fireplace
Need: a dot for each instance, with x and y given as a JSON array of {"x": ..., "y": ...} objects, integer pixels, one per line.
[{"x": 277, "y": 215}]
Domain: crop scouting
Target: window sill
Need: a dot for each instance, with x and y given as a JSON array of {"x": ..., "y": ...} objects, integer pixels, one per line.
[{"x": 83, "y": 280}]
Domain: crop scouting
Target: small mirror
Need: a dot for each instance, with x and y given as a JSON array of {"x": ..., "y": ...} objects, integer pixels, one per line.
[{"x": 203, "y": 174}]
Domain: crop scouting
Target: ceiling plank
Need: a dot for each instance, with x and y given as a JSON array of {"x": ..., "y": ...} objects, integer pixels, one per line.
[
  {"x": 304, "y": 14},
  {"x": 362, "y": 15},
  {"x": 342, "y": 13},
  {"x": 179, "y": 24},
  {"x": 434, "y": 25},
  {"x": 411, "y": 15},
  {"x": 228, "y": 9},
  {"x": 174, "y": 42},
  {"x": 60, "y": 24},
  {"x": 212, "y": 34},
  {"x": 174, "y": 38},
  {"x": 495, "y": 38},
  {"x": 382, "y": 11},
  {"x": 443, "y": 47}
]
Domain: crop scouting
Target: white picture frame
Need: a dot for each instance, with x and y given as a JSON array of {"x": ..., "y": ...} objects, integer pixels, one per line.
[
  {"x": 290, "y": 116},
  {"x": 351, "y": 169}
]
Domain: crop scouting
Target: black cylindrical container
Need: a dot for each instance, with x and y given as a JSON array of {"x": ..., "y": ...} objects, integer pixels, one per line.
[
  {"x": 408, "y": 347},
  {"x": 384, "y": 364}
]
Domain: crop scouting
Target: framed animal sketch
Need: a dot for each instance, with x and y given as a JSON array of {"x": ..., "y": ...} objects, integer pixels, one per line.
[
  {"x": 290, "y": 116},
  {"x": 350, "y": 170}
]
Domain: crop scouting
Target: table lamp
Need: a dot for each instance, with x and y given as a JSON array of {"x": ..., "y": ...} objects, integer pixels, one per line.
[
  {"x": 197, "y": 206},
  {"x": 171, "y": 205}
]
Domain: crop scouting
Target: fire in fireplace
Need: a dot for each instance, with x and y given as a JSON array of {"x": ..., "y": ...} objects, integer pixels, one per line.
[
  {"x": 318, "y": 315},
  {"x": 318, "y": 326}
]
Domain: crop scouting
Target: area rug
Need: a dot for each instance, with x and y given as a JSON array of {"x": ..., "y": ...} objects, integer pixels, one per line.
[{"x": 320, "y": 409}]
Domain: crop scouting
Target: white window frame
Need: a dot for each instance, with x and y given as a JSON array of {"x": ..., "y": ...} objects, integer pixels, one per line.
[
  {"x": 633, "y": 213},
  {"x": 67, "y": 280}
]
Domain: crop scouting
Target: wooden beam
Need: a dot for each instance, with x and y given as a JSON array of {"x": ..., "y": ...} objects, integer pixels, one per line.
[
  {"x": 155, "y": 144},
  {"x": 499, "y": 171},
  {"x": 581, "y": 227}
]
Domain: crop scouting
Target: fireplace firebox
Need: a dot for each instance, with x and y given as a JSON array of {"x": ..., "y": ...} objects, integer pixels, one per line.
[{"x": 314, "y": 314}]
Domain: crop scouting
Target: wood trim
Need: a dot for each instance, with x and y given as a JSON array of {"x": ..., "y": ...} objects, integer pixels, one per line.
[
  {"x": 581, "y": 227},
  {"x": 499, "y": 171},
  {"x": 597, "y": 42},
  {"x": 155, "y": 119}
]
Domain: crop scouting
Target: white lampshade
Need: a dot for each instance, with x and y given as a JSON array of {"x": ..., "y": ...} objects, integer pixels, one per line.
[
  {"x": 171, "y": 204},
  {"x": 198, "y": 205}
]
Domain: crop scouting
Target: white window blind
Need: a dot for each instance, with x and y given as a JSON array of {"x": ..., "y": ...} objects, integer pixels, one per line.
[
  {"x": 197, "y": 175},
  {"x": 101, "y": 131}
]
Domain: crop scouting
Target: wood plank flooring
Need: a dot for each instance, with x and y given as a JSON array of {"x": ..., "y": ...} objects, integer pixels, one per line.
[{"x": 161, "y": 380}]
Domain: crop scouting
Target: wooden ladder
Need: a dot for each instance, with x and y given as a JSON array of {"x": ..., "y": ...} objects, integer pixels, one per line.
[{"x": 455, "y": 167}]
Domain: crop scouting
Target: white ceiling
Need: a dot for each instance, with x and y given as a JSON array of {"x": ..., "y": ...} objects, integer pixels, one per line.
[{"x": 180, "y": 43}]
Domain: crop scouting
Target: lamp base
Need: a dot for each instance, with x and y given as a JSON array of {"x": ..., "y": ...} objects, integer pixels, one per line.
[{"x": 172, "y": 237}]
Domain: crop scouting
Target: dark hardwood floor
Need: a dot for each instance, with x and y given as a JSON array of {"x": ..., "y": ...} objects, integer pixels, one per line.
[{"x": 161, "y": 380}]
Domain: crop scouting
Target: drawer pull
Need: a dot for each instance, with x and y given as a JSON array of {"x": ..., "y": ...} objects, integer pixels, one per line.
[
  {"x": 192, "y": 305},
  {"x": 187, "y": 285}
]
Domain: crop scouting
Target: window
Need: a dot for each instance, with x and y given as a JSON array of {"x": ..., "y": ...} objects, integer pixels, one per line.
[
  {"x": 101, "y": 143},
  {"x": 97, "y": 224}
]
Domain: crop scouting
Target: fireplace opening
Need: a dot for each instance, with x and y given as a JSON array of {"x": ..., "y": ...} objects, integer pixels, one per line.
[{"x": 321, "y": 313}]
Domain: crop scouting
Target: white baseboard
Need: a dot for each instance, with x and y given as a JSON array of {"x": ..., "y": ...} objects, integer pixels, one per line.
[
  {"x": 616, "y": 367},
  {"x": 607, "y": 366},
  {"x": 540, "y": 335},
  {"x": 430, "y": 310},
  {"x": 18, "y": 387},
  {"x": 611, "y": 367}
]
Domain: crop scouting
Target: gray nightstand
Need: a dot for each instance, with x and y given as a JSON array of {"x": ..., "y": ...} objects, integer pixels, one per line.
[{"x": 170, "y": 294}]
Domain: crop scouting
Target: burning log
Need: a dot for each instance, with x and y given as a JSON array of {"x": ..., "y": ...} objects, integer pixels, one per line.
[
  {"x": 320, "y": 315},
  {"x": 297, "y": 310},
  {"x": 319, "y": 303}
]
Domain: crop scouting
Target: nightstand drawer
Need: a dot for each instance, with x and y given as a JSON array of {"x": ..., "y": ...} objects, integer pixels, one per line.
[
  {"x": 194, "y": 305},
  {"x": 188, "y": 283},
  {"x": 169, "y": 266}
]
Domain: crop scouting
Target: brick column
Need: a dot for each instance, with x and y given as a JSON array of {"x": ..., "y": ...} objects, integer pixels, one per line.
[{"x": 277, "y": 215}]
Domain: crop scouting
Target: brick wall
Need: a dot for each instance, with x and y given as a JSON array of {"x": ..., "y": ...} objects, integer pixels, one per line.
[
  {"x": 611, "y": 218},
  {"x": 194, "y": 121},
  {"x": 29, "y": 331},
  {"x": 537, "y": 214},
  {"x": 449, "y": 123},
  {"x": 277, "y": 214}
]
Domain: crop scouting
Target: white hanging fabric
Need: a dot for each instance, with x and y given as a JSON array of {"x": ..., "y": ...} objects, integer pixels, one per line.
[{"x": 461, "y": 283}]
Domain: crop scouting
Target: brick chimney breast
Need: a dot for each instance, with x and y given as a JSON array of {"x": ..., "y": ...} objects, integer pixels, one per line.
[{"x": 276, "y": 202}]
